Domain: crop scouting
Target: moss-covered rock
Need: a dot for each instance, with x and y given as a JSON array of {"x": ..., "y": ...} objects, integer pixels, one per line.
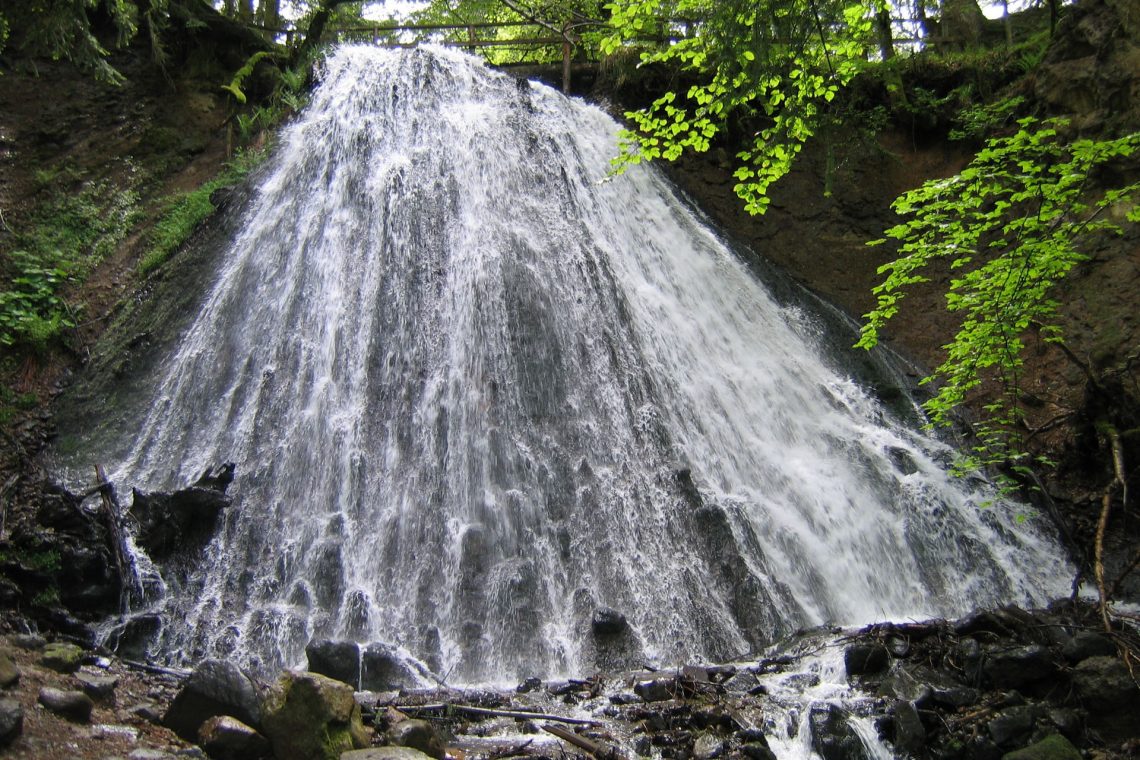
[
  {"x": 1055, "y": 747},
  {"x": 312, "y": 717},
  {"x": 62, "y": 657}
]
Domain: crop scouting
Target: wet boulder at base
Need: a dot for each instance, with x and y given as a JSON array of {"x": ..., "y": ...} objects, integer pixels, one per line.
[
  {"x": 308, "y": 716},
  {"x": 227, "y": 738},
  {"x": 11, "y": 720},
  {"x": 216, "y": 687},
  {"x": 339, "y": 660}
]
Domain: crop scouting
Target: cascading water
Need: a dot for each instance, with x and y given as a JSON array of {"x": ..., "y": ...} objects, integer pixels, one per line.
[{"x": 475, "y": 394}]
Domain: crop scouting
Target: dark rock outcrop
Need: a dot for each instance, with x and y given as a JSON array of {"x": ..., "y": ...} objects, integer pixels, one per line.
[{"x": 182, "y": 522}]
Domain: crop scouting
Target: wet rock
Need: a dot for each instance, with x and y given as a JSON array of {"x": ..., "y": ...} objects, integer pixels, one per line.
[
  {"x": 227, "y": 738},
  {"x": 757, "y": 751},
  {"x": 656, "y": 690},
  {"x": 312, "y": 717},
  {"x": 608, "y": 622},
  {"x": 708, "y": 746},
  {"x": 97, "y": 685},
  {"x": 1018, "y": 667},
  {"x": 742, "y": 682},
  {"x": 383, "y": 669},
  {"x": 954, "y": 696},
  {"x": 151, "y": 712},
  {"x": 862, "y": 659},
  {"x": 9, "y": 673},
  {"x": 11, "y": 720},
  {"x": 73, "y": 705},
  {"x": 1068, "y": 722},
  {"x": 419, "y": 735},
  {"x": 132, "y": 637},
  {"x": 1086, "y": 644},
  {"x": 339, "y": 660},
  {"x": 909, "y": 733},
  {"x": 181, "y": 521},
  {"x": 62, "y": 657},
  {"x": 831, "y": 734},
  {"x": 1013, "y": 726},
  {"x": 216, "y": 687},
  {"x": 1103, "y": 684},
  {"x": 530, "y": 684},
  {"x": 1055, "y": 747}
]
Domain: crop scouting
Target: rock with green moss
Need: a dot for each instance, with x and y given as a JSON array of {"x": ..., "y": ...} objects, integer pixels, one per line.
[
  {"x": 1055, "y": 747},
  {"x": 62, "y": 657},
  {"x": 385, "y": 753},
  {"x": 9, "y": 673},
  {"x": 311, "y": 717}
]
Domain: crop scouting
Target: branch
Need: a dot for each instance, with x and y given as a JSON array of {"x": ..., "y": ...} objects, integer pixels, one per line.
[
  {"x": 487, "y": 712},
  {"x": 1118, "y": 481}
]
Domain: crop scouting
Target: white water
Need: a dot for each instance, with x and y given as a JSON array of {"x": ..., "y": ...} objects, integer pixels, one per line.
[{"x": 458, "y": 375}]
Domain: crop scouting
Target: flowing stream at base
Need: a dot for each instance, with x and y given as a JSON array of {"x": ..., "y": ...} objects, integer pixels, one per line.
[{"x": 476, "y": 394}]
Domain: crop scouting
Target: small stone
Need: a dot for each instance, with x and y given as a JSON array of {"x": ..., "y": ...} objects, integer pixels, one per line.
[
  {"x": 757, "y": 751},
  {"x": 62, "y": 657},
  {"x": 73, "y": 705},
  {"x": 1012, "y": 726},
  {"x": 384, "y": 753},
  {"x": 420, "y": 735},
  {"x": 9, "y": 673},
  {"x": 97, "y": 685},
  {"x": 11, "y": 720},
  {"x": 708, "y": 747},
  {"x": 151, "y": 712},
  {"x": 105, "y": 731},
  {"x": 954, "y": 696},
  {"x": 150, "y": 754},
  {"x": 227, "y": 738},
  {"x": 1055, "y": 747}
]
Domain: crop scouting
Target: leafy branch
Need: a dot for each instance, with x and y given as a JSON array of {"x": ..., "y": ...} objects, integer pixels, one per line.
[{"x": 1010, "y": 225}]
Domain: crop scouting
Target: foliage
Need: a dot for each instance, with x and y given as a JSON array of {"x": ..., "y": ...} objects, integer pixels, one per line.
[
  {"x": 978, "y": 120},
  {"x": 185, "y": 212},
  {"x": 70, "y": 233},
  {"x": 779, "y": 61},
  {"x": 1010, "y": 225},
  {"x": 234, "y": 87},
  {"x": 61, "y": 29}
]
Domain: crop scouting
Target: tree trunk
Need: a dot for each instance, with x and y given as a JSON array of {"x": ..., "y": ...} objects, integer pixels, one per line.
[
  {"x": 885, "y": 33},
  {"x": 316, "y": 28}
]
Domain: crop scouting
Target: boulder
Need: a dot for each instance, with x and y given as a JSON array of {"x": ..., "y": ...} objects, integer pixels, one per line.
[
  {"x": 1055, "y": 747},
  {"x": 73, "y": 705},
  {"x": 657, "y": 689},
  {"x": 216, "y": 687},
  {"x": 29, "y": 641},
  {"x": 62, "y": 657},
  {"x": 863, "y": 659},
  {"x": 11, "y": 720},
  {"x": 227, "y": 738},
  {"x": 339, "y": 660},
  {"x": 9, "y": 673},
  {"x": 1103, "y": 685},
  {"x": 1086, "y": 644},
  {"x": 419, "y": 735},
  {"x": 1018, "y": 667},
  {"x": 312, "y": 717},
  {"x": 383, "y": 669},
  {"x": 708, "y": 747}
]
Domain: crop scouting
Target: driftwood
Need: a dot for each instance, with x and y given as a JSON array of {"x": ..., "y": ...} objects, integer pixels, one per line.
[
  {"x": 147, "y": 667},
  {"x": 113, "y": 515},
  {"x": 608, "y": 752},
  {"x": 487, "y": 712}
]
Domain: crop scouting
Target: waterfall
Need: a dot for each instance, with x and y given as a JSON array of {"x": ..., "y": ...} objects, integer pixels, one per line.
[{"x": 478, "y": 392}]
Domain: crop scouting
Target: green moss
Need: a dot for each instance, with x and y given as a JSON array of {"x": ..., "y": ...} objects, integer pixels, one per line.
[{"x": 185, "y": 212}]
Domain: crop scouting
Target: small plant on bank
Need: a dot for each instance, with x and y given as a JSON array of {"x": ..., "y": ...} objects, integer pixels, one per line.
[{"x": 186, "y": 211}]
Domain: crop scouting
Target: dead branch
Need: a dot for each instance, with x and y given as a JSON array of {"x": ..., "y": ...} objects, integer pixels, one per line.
[
  {"x": 589, "y": 745},
  {"x": 488, "y": 712},
  {"x": 1118, "y": 482}
]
